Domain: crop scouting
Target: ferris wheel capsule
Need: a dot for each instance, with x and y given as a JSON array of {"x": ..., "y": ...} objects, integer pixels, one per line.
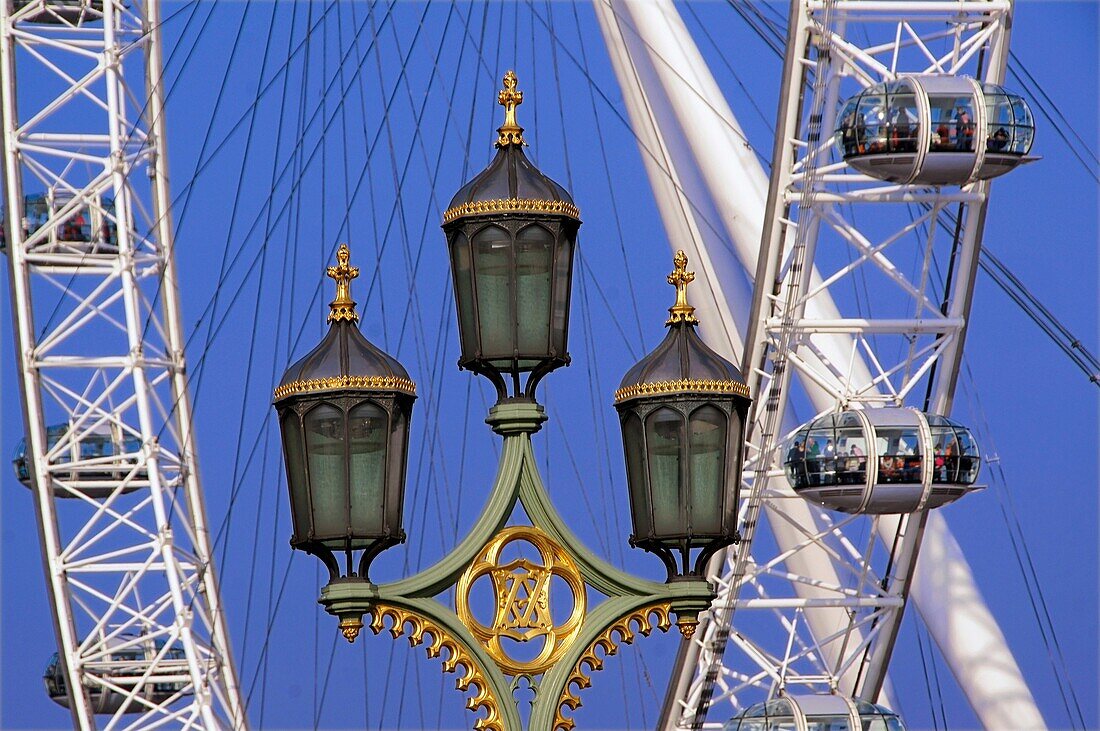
[
  {"x": 884, "y": 460},
  {"x": 89, "y": 462},
  {"x": 125, "y": 667},
  {"x": 80, "y": 230},
  {"x": 813, "y": 712},
  {"x": 58, "y": 12},
  {"x": 933, "y": 129}
]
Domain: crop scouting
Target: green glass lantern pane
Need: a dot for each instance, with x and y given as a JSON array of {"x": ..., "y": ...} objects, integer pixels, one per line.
[
  {"x": 493, "y": 270},
  {"x": 563, "y": 276},
  {"x": 464, "y": 297},
  {"x": 665, "y": 448},
  {"x": 367, "y": 432},
  {"x": 707, "y": 429},
  {"x": 534, "y": 251},
  {"x": 297, "y": 480},
  {"x": 634, "y": 448},
  {"x": 398, "y": 460},
  {"x": 327, "y": 455}
]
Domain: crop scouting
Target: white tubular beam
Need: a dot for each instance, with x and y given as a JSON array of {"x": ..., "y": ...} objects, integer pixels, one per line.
[
  {"x": 667, "y": 86},
  {"x": 968, "y": 635},
  {"x": 720, "y": 292},
  {"x": 161, "y": 194}
]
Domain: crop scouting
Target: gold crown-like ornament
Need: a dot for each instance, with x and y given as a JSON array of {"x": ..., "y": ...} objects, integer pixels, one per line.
[
  {"x": 681, "y": 385},
  {"x": 342, "y": 306},
  {"x": 510, "y": 133},
  {"x": 337, "y": 383},
  {"x": 511, "y": 205},
  {"x": 680, "y": 278}
]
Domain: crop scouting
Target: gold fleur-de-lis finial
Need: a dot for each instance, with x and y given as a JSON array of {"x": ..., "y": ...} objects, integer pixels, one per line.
[
  {"x": 680, "y": 278},
  {"x": 510, "y": 133},
  {"x": 343, "y": 306}
]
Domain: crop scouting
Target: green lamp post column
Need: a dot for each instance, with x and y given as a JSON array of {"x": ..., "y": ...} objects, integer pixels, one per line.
[{"x": 511, "y": 233}]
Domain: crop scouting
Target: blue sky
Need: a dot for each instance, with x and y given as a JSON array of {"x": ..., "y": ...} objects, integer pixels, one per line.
[{"x": 1041, "y": 411}]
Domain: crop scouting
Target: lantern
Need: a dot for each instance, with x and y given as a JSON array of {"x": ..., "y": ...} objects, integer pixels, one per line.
[
  {"x": 344, "y": 414},
  {"x": 683, "y": 410},
  {"x": 511, "y": 233}
]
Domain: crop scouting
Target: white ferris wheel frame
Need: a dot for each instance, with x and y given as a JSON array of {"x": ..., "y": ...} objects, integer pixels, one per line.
[
  {"x": 127, "y": 554},
  {"x": 836, "y": 620}
]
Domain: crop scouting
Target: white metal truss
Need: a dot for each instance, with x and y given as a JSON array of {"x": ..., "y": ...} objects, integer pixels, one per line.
[
  {"x": 899, "y": 262},
  {"x": 124, "y": 537}
]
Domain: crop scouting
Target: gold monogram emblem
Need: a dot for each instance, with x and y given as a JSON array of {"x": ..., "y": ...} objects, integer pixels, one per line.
[{"x": 523, "y": 600}]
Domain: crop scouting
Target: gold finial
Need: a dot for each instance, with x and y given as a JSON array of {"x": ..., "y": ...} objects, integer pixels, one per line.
[
  {"x": 680, "y": 279},
  {"x": 687, "y": 626},
  {"x": 510, "y": 133},
  {"x": 343, "y": 306},
  {"x": 349, "y": 628}
]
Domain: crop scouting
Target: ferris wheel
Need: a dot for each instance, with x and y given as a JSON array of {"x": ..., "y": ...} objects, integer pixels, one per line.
[
  {"x": 867, "y": 193},
  {"x": 109, "y": 451},
  {"x": 805, "y": 605}
]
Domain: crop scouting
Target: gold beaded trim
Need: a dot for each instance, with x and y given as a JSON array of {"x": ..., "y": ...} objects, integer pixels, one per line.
[
  {"x": 376, "y": 383},
  {"x": 626, "y": 627},
  {"x": 512, "y": 205},
  {"x": 472, "y": 674},
  {"x": 681, "y": 385}
]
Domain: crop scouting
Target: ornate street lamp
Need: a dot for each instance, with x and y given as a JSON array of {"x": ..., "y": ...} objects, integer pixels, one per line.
[
  {"x": 511, "y": 232},
  {"x": 344, "y": 418},
  {"x": 682, "y": 410}
]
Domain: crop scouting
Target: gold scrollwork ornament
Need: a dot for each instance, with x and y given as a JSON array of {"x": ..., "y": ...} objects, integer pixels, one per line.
[
  {"x": 522, "y": 600},
  {"x": 607, "y": 643},
  {"x": 456, "y": 660}
]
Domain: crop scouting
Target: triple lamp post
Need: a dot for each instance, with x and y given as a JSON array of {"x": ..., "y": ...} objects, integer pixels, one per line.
[{"x": 344, "y": 413}]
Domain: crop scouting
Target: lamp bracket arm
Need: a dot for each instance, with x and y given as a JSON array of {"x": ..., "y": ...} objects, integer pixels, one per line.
[
  {"x": 502, "y": 500},
  {"x": 597, "y": 572}
]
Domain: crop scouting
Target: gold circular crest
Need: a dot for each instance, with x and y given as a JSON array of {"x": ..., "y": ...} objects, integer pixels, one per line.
[{"x": 522, "y": 600}]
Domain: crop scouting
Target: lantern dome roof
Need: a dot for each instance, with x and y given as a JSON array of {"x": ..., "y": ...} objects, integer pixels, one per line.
[
  {"x": 344, "y": 359},
  {"x": 682, "y": 363},
  {"x": 511, "y": 183}
]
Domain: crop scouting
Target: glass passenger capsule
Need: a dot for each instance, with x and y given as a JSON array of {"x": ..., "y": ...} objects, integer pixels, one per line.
[
  {"x": 885, "y": 460},
  {"x": 75, "y": 229},
  {"x": 127, "y": 663},
  {"x": 935, "y": 130},
  {"x": 815, "y": 713},
  {"x": 58, "y": 12},
  {"x": 94, "y": 462}
]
